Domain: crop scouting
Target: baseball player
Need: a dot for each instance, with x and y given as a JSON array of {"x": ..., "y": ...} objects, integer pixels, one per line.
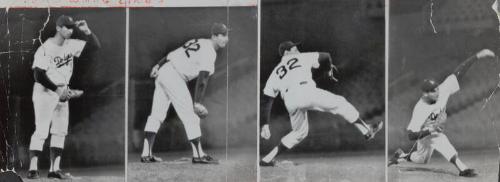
[
  {"x": 194, "y": 59},
  {"x": 53, "y": 68},
  {"x": 292, "y": 79},
  {"x": 428, "y": 116}
]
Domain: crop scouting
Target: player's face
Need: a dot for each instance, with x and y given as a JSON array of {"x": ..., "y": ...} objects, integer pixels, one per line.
[
  {"x": 65, "y": 31},
  {"x": 431, "y": 97},
  {"x": 221, "y": 40}
]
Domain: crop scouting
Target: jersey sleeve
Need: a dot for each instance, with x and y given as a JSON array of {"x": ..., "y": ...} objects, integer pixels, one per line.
[
  {"x": 314, "y": 57},
  {"x": 41, "y": 59},
  {"x": 418, "y": 118},
  {"x": 450, "y": 85},
  {"x": 270, "y": 88},
  {"x": 207, "y": 60},
  {"x": 76, "y": 47}
]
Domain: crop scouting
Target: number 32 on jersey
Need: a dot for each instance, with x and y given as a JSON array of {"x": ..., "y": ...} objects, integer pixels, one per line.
[
  {"x": 284, "y": 69},
  {"x": 191, "y": 46}
]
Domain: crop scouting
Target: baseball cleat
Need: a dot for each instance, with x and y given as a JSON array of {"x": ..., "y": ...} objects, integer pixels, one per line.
[
  {"x": 150, "y": 159},
  {"x": 374, "y": 129},
  {"x": 205, "y": 160},
  {"x": 395, "y": 157},
  {"x": 468, "y": 173},
  {"x": 33, "y": 174},
  {"x": 59, "y": 175},
  {"x": 271, "y": 163}
]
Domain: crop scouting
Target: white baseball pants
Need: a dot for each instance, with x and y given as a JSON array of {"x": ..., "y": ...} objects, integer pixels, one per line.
[
  {"x": 300, "y": 99},
  {"x": 171, "y": 88},
  {"x": 50, "y": 116},
  {"x": 426, "y": 146}
]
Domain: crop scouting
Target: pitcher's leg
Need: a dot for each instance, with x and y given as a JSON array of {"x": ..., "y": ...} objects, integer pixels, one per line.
[
  {"x": 178, "y": 93},
  {"x": 44, "y": 106},
  {"x": 328, "y": 102},
  {"x": 159, "y": 110},
  {"x": 58, "y": 131},
  {"x": 300, "y": 129},
  {"x": 442, "y": 144}
]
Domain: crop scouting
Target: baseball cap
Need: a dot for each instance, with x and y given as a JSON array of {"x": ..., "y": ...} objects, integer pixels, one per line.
[
  {"x": 429, "y": 85},
  {"x": 219, "y": 28},
  {"x": 287, "y": 45},
  {"x": 66, "y": 21}
]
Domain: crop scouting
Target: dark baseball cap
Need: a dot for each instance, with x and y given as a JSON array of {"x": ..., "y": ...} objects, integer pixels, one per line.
[
  {"x": 287, "y": 45},
  {"x": 66, "y": 21},
  {"x": 219, "y": 28},
  {"x": 429, "y": 85}
]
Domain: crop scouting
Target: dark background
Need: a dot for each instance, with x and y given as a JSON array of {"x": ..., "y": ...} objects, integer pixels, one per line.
[
  {"x": 96, "y": 124},
  {"x": 353, "y": 32},
  {"x": 231, "y": 96},
  {"x": 416, "y": 52}
]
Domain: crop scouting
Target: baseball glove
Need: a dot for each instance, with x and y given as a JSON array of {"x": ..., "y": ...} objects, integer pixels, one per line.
[
  {"x": 65, "y": 93},
  {"x": 200, "y": 110}
]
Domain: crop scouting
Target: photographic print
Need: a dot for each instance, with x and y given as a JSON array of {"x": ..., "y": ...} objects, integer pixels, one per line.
[
  {"x": 63, "y": 93},
  {"x": 193, "y": 96},
  {"x": 322, "y": 98},
  {"x": 443, "y": 81}
]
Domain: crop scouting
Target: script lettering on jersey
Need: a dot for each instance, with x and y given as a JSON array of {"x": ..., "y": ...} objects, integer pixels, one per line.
[
  {"x": 283, "y": 70},
  {"x": 433, "y": 116},
  {"x": 62, "y": 61},
  {"x": 437, "y": 116},
  {"x": 192, "y": 46}
]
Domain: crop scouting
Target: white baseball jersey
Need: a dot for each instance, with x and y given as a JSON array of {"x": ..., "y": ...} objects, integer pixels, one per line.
[
  {"x": 425, "y": 113},
  {"x": 194, "y": 56},
  {"x": 291, "y": 71},
  {"x": 292, "y": 79},
  {"x": 58, "y": 60}
]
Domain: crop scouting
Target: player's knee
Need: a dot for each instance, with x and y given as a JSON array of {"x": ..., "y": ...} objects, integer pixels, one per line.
[
  {"x": 349, "y": 113},
  {"x": 59, "y": 131},
  {"x": 303, "y": 134},
  {"x": 40, "y": 134},
  {"x": 347, "y": 110},
  {"x": 57, "y": 140},
  {"x": 192, "y": 131},
  {"x": 190, "y": 117},
  {"x": 157, "y": 115},
  {"x": 152, "y": 125},
  {"x": 420, "y": 159}
]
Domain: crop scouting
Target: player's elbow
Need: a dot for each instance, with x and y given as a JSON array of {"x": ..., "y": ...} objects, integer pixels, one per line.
[
  {"x": 203, "y": 77},
  {"x": 38, "y": 74},
  {"x": 413, "y": 135},
  {"x": 325, "y": 61}
]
